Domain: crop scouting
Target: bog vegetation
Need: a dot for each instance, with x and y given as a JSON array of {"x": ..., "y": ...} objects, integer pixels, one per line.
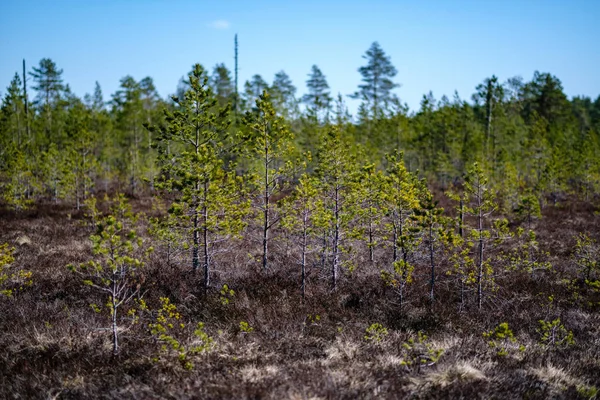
[{"x": 225, "y": 243}]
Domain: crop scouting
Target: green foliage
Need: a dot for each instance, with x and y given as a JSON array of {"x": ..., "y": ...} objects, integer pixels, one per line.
[
  {"x": 588, "y": 392},
  {"x": 227, "y": 294},
  {"x": 554, "y": 334},
  {"x": 370, "y": 192},
  {"x": 529, "y": 208},
  {"x": 587, "y": 257},
  {"x": 377, "y": 86},
  {"x": 168, "y": 329},
  {"x": 375, "y": 333},
  {"x": 166, "y": 230},
  {"x": 245, "y": 327},
  {"x": 20, "y": 184},
  {"x": 313, "y": 319},
  {"x": 479, "y": 201},
  {"x": 11, "y": 281},
  {"x": 401, "y": 196},
  {"x": 116, "y": 269},
  {"x": 270, "y": 142},
  {"x": 338, "y": 188},
  {"x": 190, "y": 147},
  {"x": 432, "y": 225},
  {"x": 419, "y": 352},
  {"x": 527, "y": 256},
  {"x": 502, "y": 339}
]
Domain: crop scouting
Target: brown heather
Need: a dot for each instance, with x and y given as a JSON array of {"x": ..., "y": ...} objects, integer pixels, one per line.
[{"x": 53, "y": 345}]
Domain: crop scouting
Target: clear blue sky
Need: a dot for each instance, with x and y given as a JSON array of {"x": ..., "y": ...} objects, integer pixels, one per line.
[{"x": 440, "y": 46}]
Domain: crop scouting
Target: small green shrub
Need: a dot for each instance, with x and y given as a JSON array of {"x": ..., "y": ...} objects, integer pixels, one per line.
[
  {"x": 20, "y": 278},
  {"x": 245, "y": 327},
  {"x": 375, "y": 333},
  {"x": 419, "y": 352},
  {"x": 554, "y": 334},
  {"x": 501, "y": 338},
  {"x": 168, "y": 329},
  {"x": 227, "y": 295}
]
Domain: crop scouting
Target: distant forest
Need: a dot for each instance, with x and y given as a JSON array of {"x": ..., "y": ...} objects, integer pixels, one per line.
[{"x": 527, "y": 134}]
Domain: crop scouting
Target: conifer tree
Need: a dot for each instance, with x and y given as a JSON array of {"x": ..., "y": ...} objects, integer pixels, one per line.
[
  {"x": 283, "y": 95},
  {"x": 129, "y": 109},
  {"x": 370, "y": 192},
  {"x": 253, "y": 89},
  {"x": 14, "y": 124},
  {"x": 49, "y": 85},
  {"x": 222, "y": 85},
  {"x": 402, "y": 195},
  {"x": 119, "y": 258},
  {"x": 270, "y": 141},
  {"x": 301, "y": 210},
  {"x": 48, "y": 81},
  {"x": 318, "y": 99},
  {"x": 489, "y": 95},
  {"x": 20, "y": 184},
  {"x": 208, "y": 197},
  {"x": 377, "y": 75},
  {"x": 479, "y": 201},
  {"x": 82, "y": 159},
  {"x": 57, "y": 173},
  {"x": 336, "y": 173},
  {"x": 432, "y": 225}
]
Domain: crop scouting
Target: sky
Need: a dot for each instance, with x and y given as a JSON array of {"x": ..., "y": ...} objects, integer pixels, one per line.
[{"x": 439, "y": 46}]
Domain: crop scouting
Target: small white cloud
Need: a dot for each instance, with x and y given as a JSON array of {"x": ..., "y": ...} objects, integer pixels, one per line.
[{"x": 219, "y": 24}]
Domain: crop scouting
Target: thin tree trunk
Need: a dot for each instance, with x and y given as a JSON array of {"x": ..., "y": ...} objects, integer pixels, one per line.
[
  {"x": 394, "y": 242},
  {"x": 480, "y": 267},
  {"x": 303, "y": 262},
  {"x": 266, "y": 209},
  {"x": 371, "y": 256},
  {"x": 461, "y": 232},
  {"x": 205, "y": 240},
  {"x": 336, "y": 239},
  {"x": 114, "y": 318},
  {"x": 196, "y": 240},
  {"x": 26, "y": 102},
  {"x": 431, "y": 250}
]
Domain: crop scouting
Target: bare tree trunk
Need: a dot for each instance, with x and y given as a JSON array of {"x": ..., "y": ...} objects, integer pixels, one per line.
[
  {"x": 236, "y": 98},
  {"x": 480, "y": 266},
  {"x": 195, "y": 238},
  {"x": 324, "y": 252},
  {"x": 394, "y": 241},
  {"x": 371, "y": 256},
  {"x": 205, "y": 240},
  {"x": 196, "y": 242},
  {"x": 461, "y": 225},
  {"x": 26, "y": 102},
  {"x": 303, "y": 261},
  {"x": 114, "y": 317},
  {"x": 431, "y": 258},
  {"x": 266, "y": 209},
  {"x": 336, "y": 240}
]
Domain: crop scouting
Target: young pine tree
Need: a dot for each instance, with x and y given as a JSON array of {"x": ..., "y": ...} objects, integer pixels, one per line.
[
  {"x": 337, "y": 185},
  {"x": 270, "y": 141},
  {"x": 189, "y": 145},
  {"x": 299, "y": 219},
  {"x": 480, "y": 202},
  {"x": 119, "y": 255},
  {"x": 371, "y": 194},
  {"x": 402, "y": 194},
  {"x": 431, "y": 224}
]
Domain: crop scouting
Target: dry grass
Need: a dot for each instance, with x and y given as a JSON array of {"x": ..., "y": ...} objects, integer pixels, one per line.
[{"x": 54, "y": 346}]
